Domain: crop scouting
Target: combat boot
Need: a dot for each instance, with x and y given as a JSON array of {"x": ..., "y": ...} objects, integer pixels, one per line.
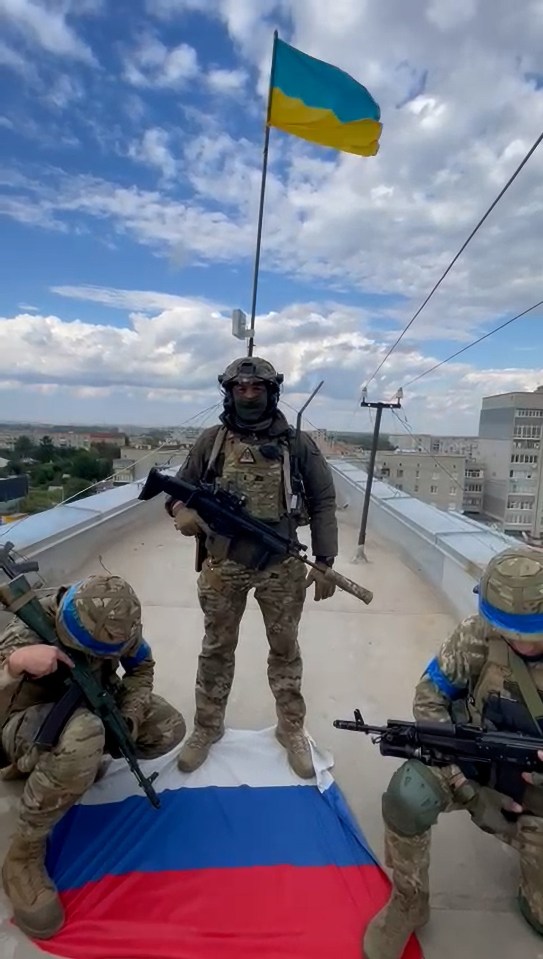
[
  {"x": 298, "y": 750},
  {"x": 197, "y": 746},
  {"x": 37, "y": 909},
  {"x": 387, "y": 933}
]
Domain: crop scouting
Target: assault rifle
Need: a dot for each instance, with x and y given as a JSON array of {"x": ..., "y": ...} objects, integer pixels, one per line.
[
  {"x": 225, "y": 515},
  {"x": 497, "y": 759},
  {"x": 18, "y": 597}
]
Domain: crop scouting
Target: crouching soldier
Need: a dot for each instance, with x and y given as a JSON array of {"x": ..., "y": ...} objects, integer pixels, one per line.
[
  {"x": 488, "y": 672},
  {"x": 99, "y": 616}
]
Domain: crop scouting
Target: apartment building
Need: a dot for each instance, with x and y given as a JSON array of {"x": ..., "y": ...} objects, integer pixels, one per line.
[
  {"x": 437, "y": 479},
  {"x": 467, "y": 446},
  {"x": 510, "y": 427}
]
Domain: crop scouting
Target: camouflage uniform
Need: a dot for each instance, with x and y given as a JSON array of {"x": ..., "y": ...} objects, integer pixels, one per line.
[
  {"x": 84, "y": 618},
  {"x": 254, "y": 460},
  {"x": 472, "y": 679}
]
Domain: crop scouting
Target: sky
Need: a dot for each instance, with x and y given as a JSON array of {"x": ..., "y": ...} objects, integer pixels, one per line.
[{"x": 131, "y": 137}]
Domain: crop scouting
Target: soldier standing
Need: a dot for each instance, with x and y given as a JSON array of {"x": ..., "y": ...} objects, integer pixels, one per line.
[
  {"x": 287, "y": 482},
  {"x": 488, "y": 672},
  {"x": 101, "y": 617}
]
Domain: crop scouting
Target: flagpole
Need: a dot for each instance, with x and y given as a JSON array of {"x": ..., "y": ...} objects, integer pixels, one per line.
[{"x": 251, "y": 330}]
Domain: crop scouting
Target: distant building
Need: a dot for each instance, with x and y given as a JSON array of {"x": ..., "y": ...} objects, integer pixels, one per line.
[
  {"x": 13, "y": 489},
  {"x": 510, "y": 427},
  {"x": 437, "y": 479},
  {"x": 62, "y": 439},
  {"x": 134, "y": 464},
  {"x": 428, "y": 443}
]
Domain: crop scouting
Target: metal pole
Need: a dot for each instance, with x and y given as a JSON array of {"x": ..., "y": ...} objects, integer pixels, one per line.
[
  {"x": 251, "y": 331},
  {"x": 369, "y": 481},
  {"x": 378, "y": 407}
]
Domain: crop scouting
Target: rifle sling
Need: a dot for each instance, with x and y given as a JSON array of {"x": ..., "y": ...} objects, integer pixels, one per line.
[
  {"x": 55, "y": 721},
  {"x": 528, "y": 688}
]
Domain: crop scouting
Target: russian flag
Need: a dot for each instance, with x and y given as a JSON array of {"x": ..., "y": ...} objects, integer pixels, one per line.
[{"x": 243, "y": 860}]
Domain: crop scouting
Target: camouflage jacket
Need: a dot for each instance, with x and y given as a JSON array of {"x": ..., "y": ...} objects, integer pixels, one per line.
[
  {"x": 470, "y": 668},
  {"x": 320, "y": 496},
  {"x": 132, "y": 691}
]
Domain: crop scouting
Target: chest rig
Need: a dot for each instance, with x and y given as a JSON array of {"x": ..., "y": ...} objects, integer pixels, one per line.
[
  {"x": 508, "y": 693},
  {"x": 257, "y": 469}
]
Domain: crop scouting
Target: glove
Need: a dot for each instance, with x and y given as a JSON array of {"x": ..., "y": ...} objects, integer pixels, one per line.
[
  {"x": 324, "y": 587},
  {"x": 486, "y": 808},
  {"x": 187, "y": 521}
]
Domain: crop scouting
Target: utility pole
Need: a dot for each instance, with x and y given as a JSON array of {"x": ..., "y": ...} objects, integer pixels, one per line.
[{"x": 378, "y": 407}]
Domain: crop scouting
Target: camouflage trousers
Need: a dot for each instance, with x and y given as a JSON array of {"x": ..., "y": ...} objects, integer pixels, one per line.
[
  {"x": 409, "y": 859},
  {"x": 58, "y": 778},
  {"x": 223, "y": 587}
]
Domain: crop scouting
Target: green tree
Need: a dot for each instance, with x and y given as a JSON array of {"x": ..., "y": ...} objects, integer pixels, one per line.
[
  {"x": 39, "y": 500},
  {"x": 76, "y": 488},
  {"x": 23, "y": 447},
  {"x": 88, "y": 466},
  {"x": 45, "y": 452},
  {"x": 44, "y": 475}
]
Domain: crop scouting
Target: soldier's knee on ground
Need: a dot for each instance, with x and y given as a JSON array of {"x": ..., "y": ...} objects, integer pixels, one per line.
[
  {"x": 413, "y": 799},
  {"x": 164, "y": 728},
  {"x": 79, "y": 752}
]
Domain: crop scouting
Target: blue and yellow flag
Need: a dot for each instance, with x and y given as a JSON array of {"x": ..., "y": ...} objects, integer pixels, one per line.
[{"x": 316, "y": 101}]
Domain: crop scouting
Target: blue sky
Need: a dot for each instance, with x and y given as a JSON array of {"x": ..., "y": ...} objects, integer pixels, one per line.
[{"x": 130, "y": 151}]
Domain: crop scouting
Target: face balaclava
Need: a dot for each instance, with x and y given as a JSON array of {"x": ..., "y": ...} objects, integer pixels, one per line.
[{"x": 251, "y": 410}]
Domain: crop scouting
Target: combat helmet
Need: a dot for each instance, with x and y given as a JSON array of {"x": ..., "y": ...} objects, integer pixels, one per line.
[
  {"x": 99, "y": 615},
  {"x": 250, "y": 368},
  {"x": 511, "y": 594}
]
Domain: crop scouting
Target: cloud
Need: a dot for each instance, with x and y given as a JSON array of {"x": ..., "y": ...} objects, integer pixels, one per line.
[
  {"x": 152, "y": 64},
  {"x": 145, "y": 301},
  {"x": 226, "y": 82},
  {"x": 172, "y": 349},
  {"x": 170, "y": 9},
  {"x": 10, "y": 58},
  {"x": 64, "y": 91},
  {"x": 460, "y": 107},
  {"x": 45, "y": 26},
  {"x": 154, "y": 151}
]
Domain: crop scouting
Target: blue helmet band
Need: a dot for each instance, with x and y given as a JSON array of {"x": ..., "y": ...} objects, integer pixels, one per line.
[
  {"x": 79, "y": 635},
  {"x": 527, "y": 623}
]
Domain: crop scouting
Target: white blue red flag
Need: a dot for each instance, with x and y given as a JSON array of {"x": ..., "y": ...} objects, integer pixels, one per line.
[{"x": 242, "y": 860}]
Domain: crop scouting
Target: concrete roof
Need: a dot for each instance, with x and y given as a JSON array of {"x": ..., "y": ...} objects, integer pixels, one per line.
[{"x": 370, "y": 657}]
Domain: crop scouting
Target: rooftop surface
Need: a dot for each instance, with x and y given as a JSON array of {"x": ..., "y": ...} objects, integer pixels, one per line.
[{"x": 354, "y": 655}]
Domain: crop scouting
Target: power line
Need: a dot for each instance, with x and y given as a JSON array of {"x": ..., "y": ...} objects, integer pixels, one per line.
[
  {"x": 479, "y": 339},
  {"x": 532, "y": 149}
]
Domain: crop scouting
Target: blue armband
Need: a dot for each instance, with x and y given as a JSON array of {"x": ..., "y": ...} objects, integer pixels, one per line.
[
  {"x": 142, "y": 652},
  {"x": 434, "y": 672}
]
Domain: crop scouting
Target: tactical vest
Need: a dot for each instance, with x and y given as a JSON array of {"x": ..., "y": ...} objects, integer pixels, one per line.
[
  {"x": 258, "y": 469},
  {"x": 499, "y": 680}
]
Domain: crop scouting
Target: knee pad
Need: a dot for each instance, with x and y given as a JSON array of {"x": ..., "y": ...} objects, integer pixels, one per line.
[{"x": 413, "y": 799}]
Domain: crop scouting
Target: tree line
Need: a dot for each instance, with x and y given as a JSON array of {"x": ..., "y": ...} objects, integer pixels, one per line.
[{"x": 56, "y": 473}]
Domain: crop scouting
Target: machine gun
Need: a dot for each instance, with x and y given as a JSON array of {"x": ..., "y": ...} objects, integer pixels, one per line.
[
  {"x": 498, "y": 759},
  {"x": 18, "y": 597},
  {"x": 224, "y": 513}
]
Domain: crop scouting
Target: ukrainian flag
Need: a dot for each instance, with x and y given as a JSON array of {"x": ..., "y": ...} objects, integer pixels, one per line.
[{"x": 316, "y": 101}]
